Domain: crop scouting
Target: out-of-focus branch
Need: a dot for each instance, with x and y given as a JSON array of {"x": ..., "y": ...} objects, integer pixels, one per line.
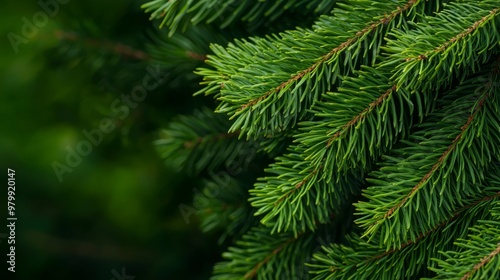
[{"x": 115, "y": 47}]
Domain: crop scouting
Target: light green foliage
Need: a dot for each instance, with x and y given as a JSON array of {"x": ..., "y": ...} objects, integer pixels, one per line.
[
  {"x": 390, "y": 111},
  {"x": 477, "y": 258}
]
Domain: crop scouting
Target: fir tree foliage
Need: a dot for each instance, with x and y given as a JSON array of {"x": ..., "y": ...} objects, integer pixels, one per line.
[
  {"x": 477, "y": 255},
  {"x": 182, "y": 52},
  {"x": 199, "y": 141},
  {"x": 221, "y": 205},
  {"x": 359, "y": 259},
  {"x": 382, "y": 120},
  {"x": 275, "y": 79},
  {"x": 181, "y": 14}
]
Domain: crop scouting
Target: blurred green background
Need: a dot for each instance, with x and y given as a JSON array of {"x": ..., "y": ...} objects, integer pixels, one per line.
[{"x": 118, "y": 208}]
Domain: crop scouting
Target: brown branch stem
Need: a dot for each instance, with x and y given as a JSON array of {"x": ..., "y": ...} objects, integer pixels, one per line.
[
  {"x": 346, "y": 44},
  {"x": 118, "y": 48}
]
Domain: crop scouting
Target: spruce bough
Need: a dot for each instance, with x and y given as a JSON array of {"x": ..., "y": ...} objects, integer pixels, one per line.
[{"x": 376, "y": 132}]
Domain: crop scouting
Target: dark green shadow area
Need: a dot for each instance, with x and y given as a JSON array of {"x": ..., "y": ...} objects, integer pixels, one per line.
[{"x": 114, "y": 205}]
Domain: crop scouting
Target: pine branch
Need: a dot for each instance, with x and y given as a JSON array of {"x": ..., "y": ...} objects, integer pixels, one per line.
[
  {"x": 180, "y": 14},
  {"x": 200, "y": 141},
  {"x": 298, "y": 201},
  {"x": 453, "y": 43},
  {"x": 222, "y": 205},
  {"x": 402, "y": 187},
  {"x": 275, "y": 80},
  {"x": 183, "y": 53},
  {"x": 329, "y": 172},
  {"x": 359, "y": 122},
  {"x": 265, "y": 256},
  {"x": 366, "y": 260},
  {"x": 478, "y": 257},
  {"x": 397, "y": 97}
]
